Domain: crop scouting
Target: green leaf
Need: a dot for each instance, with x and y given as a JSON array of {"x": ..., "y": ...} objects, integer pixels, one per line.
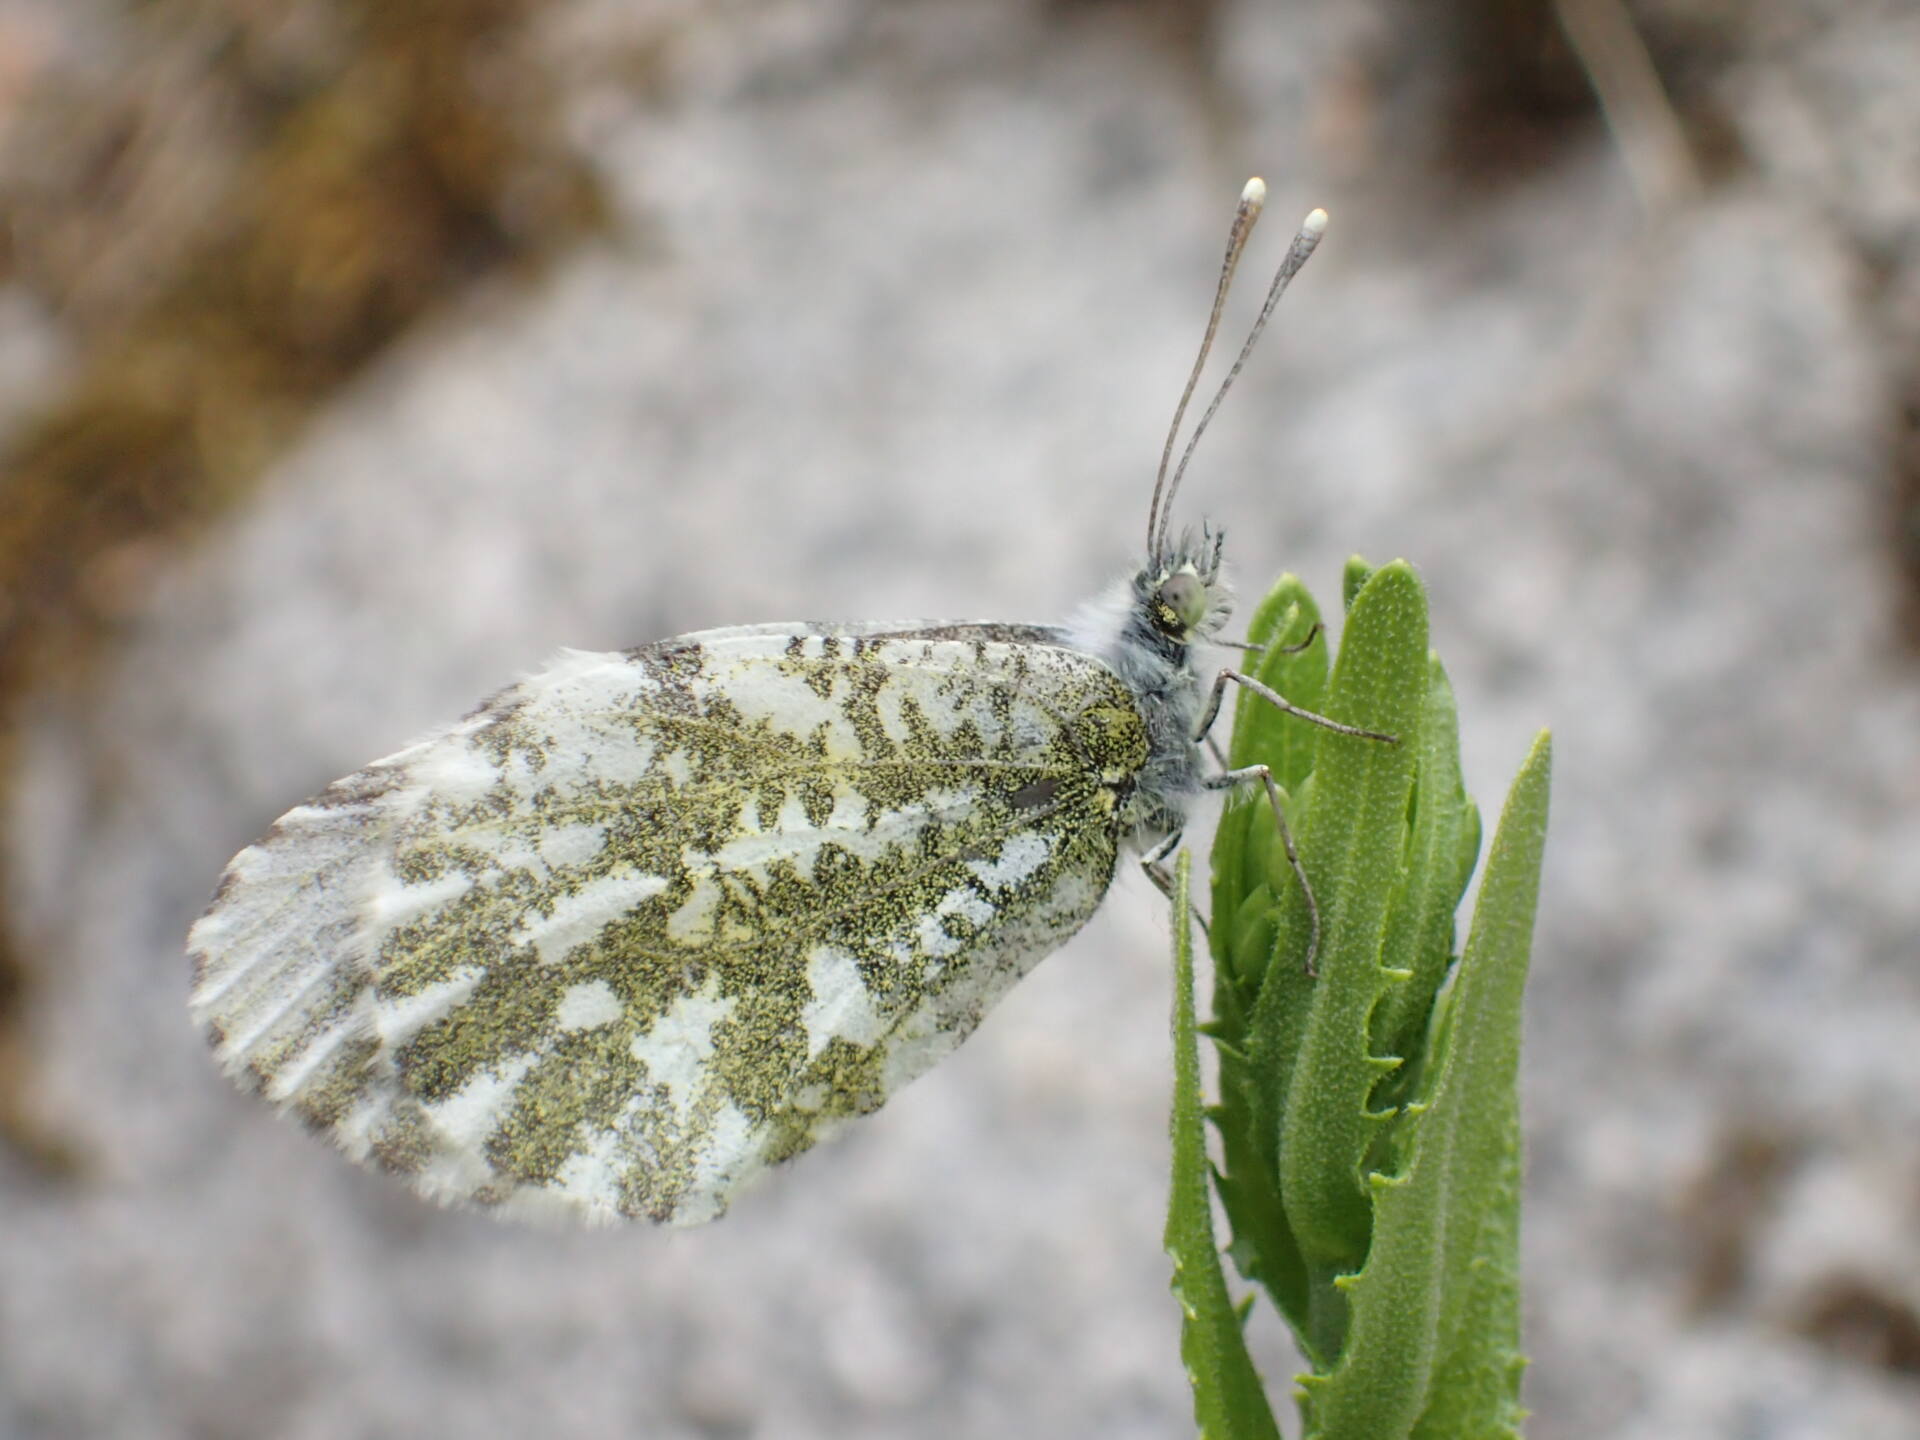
[
  {"x": 1480, "y": 1079},
  {"x": 1353, "y": 580},
  {"x": 1248, "y": 863},
  {"x": 1475, "y": 1390},
  {"x": 1432, "y": 1347},
  {"x": 1228, "y": 1401},
  {"x": 1263, "y": 1248},
  {"x": 1375, "y": 1202},
  {"x": 1352, "y": 844},
  {"x": 1443, "y": 842}
]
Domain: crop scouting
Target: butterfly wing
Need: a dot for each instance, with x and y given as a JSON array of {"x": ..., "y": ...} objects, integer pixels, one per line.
[{"x": 651, "y": 921}]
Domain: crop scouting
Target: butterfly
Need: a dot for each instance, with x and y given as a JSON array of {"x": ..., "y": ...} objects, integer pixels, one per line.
[{"x": 651, "y": 921}]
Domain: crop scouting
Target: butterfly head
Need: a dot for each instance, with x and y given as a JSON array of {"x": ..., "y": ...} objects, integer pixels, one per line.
[{"x": 1182, "y": 593}]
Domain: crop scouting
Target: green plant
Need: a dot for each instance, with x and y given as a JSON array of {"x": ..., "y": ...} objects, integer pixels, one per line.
[{"x": 1368, "y": 1115}]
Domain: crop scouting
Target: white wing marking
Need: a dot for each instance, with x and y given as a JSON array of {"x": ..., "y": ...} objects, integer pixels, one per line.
[
  {"x": 841, "y": 1007},
  {"x": 587, "y": 1006},
  {"x": 676, "y": 1049},
  {"x": 579, "y": 917}
]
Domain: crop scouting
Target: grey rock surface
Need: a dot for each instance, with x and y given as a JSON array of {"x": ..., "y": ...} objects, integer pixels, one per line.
[{"x": 905, "y": 298}]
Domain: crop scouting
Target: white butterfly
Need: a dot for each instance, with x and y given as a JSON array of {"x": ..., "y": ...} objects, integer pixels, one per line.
[{"x": 651, "y": 921}]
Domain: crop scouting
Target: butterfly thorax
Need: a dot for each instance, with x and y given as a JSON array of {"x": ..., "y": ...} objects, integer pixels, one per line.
[{"x": 1147, "y": 628}]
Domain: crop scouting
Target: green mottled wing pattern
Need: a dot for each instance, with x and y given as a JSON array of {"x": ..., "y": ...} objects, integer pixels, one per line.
[{"x": 651, "y": 921}]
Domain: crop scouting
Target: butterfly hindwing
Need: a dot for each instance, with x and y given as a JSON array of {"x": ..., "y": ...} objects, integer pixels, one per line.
[{"x": 653, "y": 920}]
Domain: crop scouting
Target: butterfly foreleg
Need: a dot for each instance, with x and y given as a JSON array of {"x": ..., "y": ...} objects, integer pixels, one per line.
[
  {"x": 1251, "y": 648},
  {"x": 1279, "y": 702}
]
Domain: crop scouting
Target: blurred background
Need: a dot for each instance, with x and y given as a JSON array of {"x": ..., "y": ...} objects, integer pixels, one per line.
[{"x": 357, "y": 354}]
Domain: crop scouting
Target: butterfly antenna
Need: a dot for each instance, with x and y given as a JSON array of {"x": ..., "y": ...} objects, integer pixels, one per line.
[
  {"x": 1298, "y": 253},
  {"x": 1251, "y": 199}
]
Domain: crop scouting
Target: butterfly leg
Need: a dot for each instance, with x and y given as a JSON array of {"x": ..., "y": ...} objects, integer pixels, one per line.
[
  {"x": 1252, "y": 649},
  {"x": 1313, "y": 634},
  {"x": 1154, "y": 863},
  {"x": 1226, "y": 780},
  {"x": 1278, "y": 701}
]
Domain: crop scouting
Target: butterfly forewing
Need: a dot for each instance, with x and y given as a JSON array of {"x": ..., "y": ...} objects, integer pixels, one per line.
[{"x": 649, "y": 922}]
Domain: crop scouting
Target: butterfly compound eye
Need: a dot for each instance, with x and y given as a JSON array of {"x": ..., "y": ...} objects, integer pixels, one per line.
[{"x": 1183, "y": 601}]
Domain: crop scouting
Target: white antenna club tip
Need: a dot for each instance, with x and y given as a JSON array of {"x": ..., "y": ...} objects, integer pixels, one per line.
[
  {"x": 1315, "y": 225},
  {"x": 1255, "y": 193}
]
